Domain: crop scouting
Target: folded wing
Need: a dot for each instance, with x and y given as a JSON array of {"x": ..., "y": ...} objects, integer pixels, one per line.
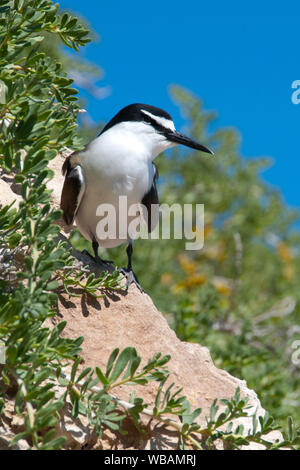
[
  {"x": 151, "y": 203},
  {"x": 72, "y": 192}
]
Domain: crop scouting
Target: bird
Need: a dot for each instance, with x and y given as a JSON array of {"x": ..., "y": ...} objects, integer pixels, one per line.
[{"x": 119, "y": 162}]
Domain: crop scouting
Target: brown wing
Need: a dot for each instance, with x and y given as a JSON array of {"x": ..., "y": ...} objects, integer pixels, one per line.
[
  {"x": 72, "y": 192},
  {"x": 151, "y": 202}
]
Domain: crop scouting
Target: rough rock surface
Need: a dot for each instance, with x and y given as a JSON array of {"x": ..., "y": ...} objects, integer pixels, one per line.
[{"x": 131, "y": 319}]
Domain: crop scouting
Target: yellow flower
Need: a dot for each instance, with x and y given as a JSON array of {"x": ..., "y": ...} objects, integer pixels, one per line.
[
  {"x": 191, "y": 282},
  {"x": 284, "y": 252},
  {"x": 223, "y": 285},
  {"x": 187, "y": 264},
  {"x": 166, "y": 278},
  {"x": 289, "y": 272},
  {"x": 215, "y": 252}
]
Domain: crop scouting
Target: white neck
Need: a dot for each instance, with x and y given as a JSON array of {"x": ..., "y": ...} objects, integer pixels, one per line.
[{"x": 137, "y": 138}]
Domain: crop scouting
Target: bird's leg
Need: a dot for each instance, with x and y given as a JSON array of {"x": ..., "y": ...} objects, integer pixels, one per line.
[
  {"x": 129, "y": 273},
  {"x": 97, "y": 258},
  {"x": 95, "y": 246},
  {"x": 129, "y": 251}
]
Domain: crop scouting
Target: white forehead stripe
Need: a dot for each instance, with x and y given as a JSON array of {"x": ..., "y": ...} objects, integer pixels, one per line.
[{"x": 167, "y": 123}]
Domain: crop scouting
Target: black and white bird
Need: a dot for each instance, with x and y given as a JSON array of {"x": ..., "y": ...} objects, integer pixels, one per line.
[{"x": 119, "y": 162}]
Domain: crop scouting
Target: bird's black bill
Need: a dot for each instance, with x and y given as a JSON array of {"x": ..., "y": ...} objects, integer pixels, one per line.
[{"x": 183, "y": 140}]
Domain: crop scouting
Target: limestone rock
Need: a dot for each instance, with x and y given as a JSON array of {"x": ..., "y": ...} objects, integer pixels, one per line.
[
  {"x": 122, "y": 320},
  {"x": 7, "y": 194}
]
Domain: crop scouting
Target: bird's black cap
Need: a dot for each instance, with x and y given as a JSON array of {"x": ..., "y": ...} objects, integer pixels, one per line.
[
  {"x": 139, "y": 112},
  {"x": 133, "y": 112}
]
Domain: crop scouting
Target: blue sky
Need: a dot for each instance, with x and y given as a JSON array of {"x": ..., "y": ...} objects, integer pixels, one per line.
[{"x": 240, "y": 58}]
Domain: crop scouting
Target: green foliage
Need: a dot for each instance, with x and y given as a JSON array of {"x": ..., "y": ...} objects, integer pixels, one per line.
[
  {"x": 37, "y": 120},
  {"x": 79, "y": 280},
  {"x": 105, "y": 410}
]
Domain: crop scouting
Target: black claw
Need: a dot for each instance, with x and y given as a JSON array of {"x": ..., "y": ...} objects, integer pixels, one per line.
[{"x": 131, "y": 279}]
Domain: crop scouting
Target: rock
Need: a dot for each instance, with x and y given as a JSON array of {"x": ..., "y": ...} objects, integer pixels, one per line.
[
  {"x": 132, "y": 320},
  {"x": 7, "y": 194},
  {"x": 10, "y": 425},
  {"x": 10, "y": 191},
  {"x": 78, "y": 432}
]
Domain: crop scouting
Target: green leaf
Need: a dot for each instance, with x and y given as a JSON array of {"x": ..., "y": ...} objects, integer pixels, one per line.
[
  {"x": 121, "y": 363},
  {"x": 134, "y": 365},
  {"x": 103, "y": 379},
  {"x": 74, "y": 368},
  {"x": 5, "y": 377},
  {"x": 52, "y": 285},
  {"x": 14, "y": 240},
  {"x": 111, "y": 361},
  {"x": 75, "y": 408},
  {"x": 83, "y": 374},
  {"x": 55, "y": 444}
]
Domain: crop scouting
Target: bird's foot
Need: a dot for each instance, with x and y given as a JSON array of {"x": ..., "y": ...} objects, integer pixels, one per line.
[
  {"x": 131, "y": 279},
  {"x": 103, "y": 262}
]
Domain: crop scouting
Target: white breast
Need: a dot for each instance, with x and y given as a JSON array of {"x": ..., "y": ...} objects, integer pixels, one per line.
[{"x": 114, "y": 164}]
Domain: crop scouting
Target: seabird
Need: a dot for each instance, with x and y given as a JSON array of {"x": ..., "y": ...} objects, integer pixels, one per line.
[{"x": 119, "y": 162}]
